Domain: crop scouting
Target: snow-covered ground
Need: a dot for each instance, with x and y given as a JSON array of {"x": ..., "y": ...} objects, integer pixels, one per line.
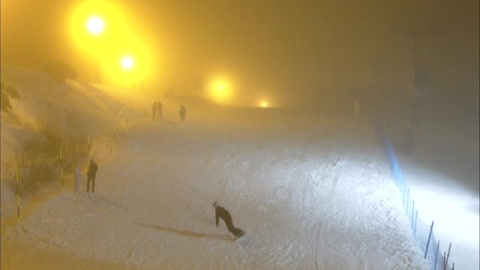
[
  {"x": 312, "y": 191},
  {"x": 443, "y": 176}
]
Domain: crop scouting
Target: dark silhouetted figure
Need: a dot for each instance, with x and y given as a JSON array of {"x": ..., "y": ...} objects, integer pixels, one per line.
[
  {"x": 159, "y": 109},
  {"x": 154, "y": 110},
  {"x": 182, "y": 112},
  {"x": 92, "y": 173},
  {"x": 222, "y": 213}
]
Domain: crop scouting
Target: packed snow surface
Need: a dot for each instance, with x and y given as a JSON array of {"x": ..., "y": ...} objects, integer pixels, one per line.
[{"x": 312, "y": 191}]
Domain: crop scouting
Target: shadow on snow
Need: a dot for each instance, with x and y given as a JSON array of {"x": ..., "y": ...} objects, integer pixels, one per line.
[{"x": 187, "y": 233}]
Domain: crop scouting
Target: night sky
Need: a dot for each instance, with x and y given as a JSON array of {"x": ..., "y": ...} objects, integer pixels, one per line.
[{"x": 300, "y": 51}]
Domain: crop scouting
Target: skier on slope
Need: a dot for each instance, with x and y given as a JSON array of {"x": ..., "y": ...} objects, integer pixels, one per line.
[{"x": 222, "y": 213}]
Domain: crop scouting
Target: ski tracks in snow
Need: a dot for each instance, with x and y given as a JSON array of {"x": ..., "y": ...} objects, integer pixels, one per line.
[{"x": 298, "y": 209}]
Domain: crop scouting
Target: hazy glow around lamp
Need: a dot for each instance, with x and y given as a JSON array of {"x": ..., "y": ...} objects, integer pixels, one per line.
[
  {"x": 127, "y": 62},
  {"x": 95, "y": 25}
]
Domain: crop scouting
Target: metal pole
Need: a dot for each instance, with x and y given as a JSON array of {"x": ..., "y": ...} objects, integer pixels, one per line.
[
  {"x": 113, "y": 140},
  {"x": 436, "y": 256},
  {"x": 444, "y": 259},
  {"x": 18, "y": 198},
  {"x": 428, "y": 241},
  {"x": 415, "y": 228},
  {"x": 448, "y": 256},
  {"x": 88, "y": 146},
  {"x": 408, "y": 200},
  {"x": 61, "y": 168},
  {"x": 413, "y": 211}
]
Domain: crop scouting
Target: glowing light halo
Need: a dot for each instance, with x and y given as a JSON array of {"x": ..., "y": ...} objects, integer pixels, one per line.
[
  {"x": 220, "y": 91},
  {"x": 95, "y": 25},
  {"x": 127, "y": 62},
  {"x": 116, "y": 41},
  {"x": 131, "y": 64}
]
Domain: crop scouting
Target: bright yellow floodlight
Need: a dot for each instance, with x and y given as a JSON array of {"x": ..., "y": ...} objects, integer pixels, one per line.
[
  {"x": 264, "y": 104},
  {"x": 104, "y": 32},
  {"x": 220, "y": 91},
  {"x": 95, "y": 25},
  {"x": 127, "y": 65},
  {"x": 89, "y": 22},
  {"x": 127, "y": 62}
]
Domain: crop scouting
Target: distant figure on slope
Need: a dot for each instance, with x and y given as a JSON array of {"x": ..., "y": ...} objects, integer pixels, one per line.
[
  {"x": 222, "y": 213},
  {"x": 159, "y": 109},
  {"x": 78, "y": 178},
  {"x": 182, "y": 112},
  {"x": 92, "y": 173},
  {"x": 154, "y": 110}
]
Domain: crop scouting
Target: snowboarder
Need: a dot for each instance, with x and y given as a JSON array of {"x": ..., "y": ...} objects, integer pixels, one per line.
[
  {"x": 222, "y": 213},
  {"x": 182, "y": 112},
  {"x": 78, "y": 178},
  {"x": 159, "y": 109},
  {"x": 154, "y": 110},
  {"x": 92, "y": 173}
]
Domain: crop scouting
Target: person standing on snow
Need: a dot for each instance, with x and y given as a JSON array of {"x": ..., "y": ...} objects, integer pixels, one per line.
[
  {"x": 159, "y": 110},
  {"x": 92, "y": 173},
  {"x": 222, "y": 213},
  {"x": 182, "y": 112},
  {"x": 154, "y": 110}
]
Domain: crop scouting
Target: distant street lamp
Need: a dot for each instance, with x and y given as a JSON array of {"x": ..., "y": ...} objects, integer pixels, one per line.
[
  {"x": 95, "y": 25},
  {"x": 127, "y": 62}
]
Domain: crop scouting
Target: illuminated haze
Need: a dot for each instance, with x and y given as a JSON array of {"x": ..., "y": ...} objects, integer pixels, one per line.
[
  {"x": 315, "y": 54},
  {"x": 297, "y": 53}
]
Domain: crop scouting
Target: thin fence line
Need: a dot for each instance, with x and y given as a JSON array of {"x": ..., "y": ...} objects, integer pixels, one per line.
[{"x": 431, "y": 255}]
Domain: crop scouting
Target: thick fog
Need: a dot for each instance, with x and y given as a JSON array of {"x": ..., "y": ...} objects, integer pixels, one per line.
[
  {"x": 281, "y": 100},
  {"x": 291, "y": 53}
]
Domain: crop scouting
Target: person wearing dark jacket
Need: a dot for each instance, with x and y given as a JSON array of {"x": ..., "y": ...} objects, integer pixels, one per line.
[
  {"x": 159, "y": 110},
  {"x": 182, "y": 112},
  {"x": 92, "y": 173},
  {"x": 154, "y": 110},
  {"x": 222, "y": 213}
]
